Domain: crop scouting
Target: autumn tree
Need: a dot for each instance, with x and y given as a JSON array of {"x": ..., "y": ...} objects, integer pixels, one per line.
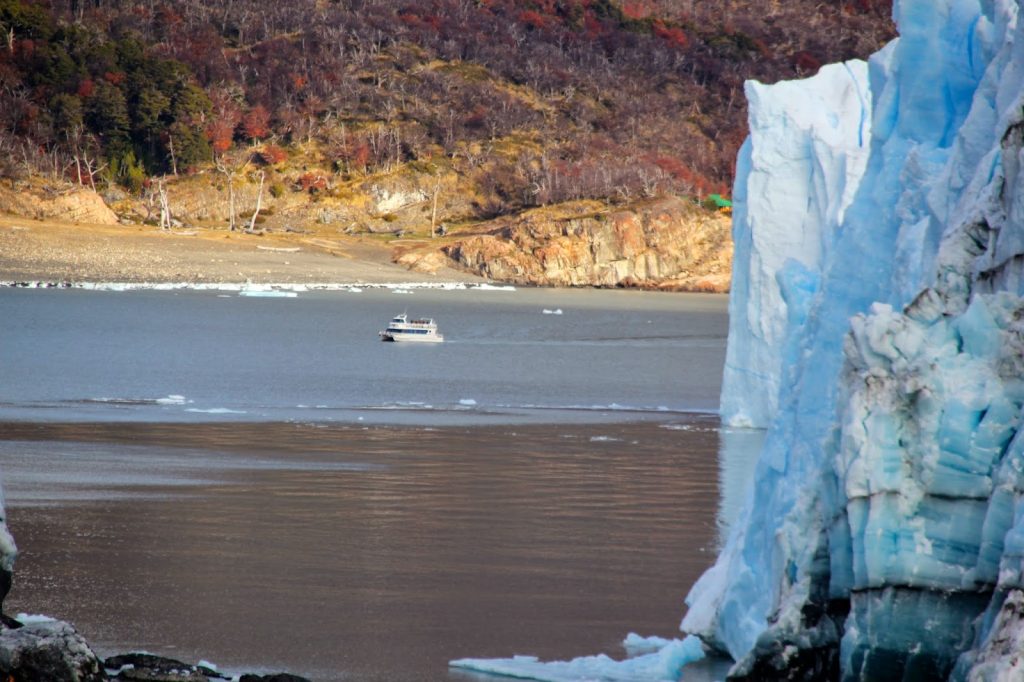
[{"x": 256, "y": 123}]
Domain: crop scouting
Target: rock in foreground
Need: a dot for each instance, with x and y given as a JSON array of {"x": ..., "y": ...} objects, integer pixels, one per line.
[
  {"x": 53, "y": 651},
  {"x": 50, "y": 650}
]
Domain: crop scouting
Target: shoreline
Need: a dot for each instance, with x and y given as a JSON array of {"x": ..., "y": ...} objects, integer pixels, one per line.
[
  {"x": 37, "y": 253},
  {"x": 252, "y": 287},
  {"x": 59, "y": 254}
]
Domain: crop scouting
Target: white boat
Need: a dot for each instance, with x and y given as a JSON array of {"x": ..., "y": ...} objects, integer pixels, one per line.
[{"x": 401, "y": 328}]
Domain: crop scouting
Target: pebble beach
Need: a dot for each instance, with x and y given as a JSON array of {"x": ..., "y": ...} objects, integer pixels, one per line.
[{"x": 55, "y": 252}]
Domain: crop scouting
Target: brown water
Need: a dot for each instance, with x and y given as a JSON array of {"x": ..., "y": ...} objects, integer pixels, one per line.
[{"x": 343, "y": 552}]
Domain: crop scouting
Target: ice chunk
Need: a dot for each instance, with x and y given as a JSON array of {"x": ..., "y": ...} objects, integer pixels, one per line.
[{"x": 665, "y": 663}]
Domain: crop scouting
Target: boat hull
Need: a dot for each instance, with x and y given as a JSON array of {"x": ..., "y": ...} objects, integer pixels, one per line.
[{"x": 409, "y": 338}]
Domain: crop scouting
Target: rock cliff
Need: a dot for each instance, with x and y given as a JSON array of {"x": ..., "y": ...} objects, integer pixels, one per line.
[
  {"x": 665, "y": 243},
  {"x": 67, "y": 203}
]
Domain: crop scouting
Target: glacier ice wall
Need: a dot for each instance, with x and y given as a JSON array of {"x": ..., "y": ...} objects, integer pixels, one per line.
[
  {"x": 885, "y": 532},
  {"x": 781, "y": 238}
]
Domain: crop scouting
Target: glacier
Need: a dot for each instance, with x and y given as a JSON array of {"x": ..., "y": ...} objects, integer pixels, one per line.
[
  {"x": 884, "y": 535},
  {"x": 877, "y": 335},
  {"x": 781, "y": 245}
]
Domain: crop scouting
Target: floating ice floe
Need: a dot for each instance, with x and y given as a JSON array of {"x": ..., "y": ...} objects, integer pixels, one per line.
[
  {"x": 492, "y": 287},
  {"x": 548, "y": 311},
  {"x": 215, "y": 410},
  {"x": 268, "y": 291},
  {"x": 28, "y": 619},
  {"x": 661, "y": 660}
]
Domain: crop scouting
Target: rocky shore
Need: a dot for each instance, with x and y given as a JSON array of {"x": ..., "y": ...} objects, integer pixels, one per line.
[
  {"x": 74, "y": 236},
  {"x": 664, "y": 244},
  {"x": 45, "y": 650}
]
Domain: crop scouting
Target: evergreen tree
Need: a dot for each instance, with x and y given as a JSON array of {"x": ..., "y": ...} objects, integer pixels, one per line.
[{"x": 107, "y": 116}]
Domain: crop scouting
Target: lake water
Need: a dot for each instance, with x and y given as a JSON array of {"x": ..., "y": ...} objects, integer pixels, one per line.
[
  {"x": 182, "y": 355},
  {"x": 262, "y": 484}
]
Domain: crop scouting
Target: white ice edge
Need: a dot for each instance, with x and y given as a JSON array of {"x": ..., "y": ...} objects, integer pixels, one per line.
[
  {"x": 655, "y": 660},
  {"x": 353, "y": 287}
]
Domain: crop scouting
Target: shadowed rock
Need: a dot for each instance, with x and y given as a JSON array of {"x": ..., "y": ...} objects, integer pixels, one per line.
[
  {"x": 278, "y": 677},
  {"x": 51, "y": 650}
]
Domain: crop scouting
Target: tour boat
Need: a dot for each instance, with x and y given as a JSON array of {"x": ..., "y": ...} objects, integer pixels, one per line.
[{"x": 401, "y": 328}]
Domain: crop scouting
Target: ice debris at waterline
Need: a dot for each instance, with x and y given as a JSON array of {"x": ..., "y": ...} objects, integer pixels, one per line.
[
  {"x": 651, "y": 658},
  {"x": 251, "y": 289},
  {"x": 884, "y": 536}
]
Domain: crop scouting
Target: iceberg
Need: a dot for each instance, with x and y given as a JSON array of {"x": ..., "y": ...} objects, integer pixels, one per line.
[{"x": 878, "y": 334}]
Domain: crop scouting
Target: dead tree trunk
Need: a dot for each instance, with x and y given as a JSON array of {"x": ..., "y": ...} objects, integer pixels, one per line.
[
  {"x": 433, "y": 211},
  {"x": 165, "y": 209},
  {"x": 259, "y": 203}
]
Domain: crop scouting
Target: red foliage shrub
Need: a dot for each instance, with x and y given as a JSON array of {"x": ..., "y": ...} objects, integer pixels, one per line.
[
  {"x": 25, "y": 48},
  {"x": 256, "y": 123},
  {"x": 673, "y": 35},
  {"x": 114, "y": 77},
  {"x": 85, "y": 88},
  {"x": 312, "y": 182},
  {"x": 532, "y": 19},
  {"x": 220, "y": 132},
  {"x": 272, "y": 154},
  {"x": 805, "y": 62},
  {"x": 636, "y": 9},
  {"x": 355, "y": 153},
  {"x": 690, "y": 180}
]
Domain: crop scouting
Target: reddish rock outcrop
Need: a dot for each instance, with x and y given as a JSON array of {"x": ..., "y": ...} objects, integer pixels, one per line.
[{"x": 665, "y": 243}]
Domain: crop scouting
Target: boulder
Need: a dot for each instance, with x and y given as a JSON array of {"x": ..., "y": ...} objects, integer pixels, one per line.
[
  {"x": 47, "y": 651},
  {"x": 150, "y": 668}
]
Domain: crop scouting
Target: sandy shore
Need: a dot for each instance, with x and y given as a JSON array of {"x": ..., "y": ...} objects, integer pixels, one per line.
[{"x": 35, "y": 250}]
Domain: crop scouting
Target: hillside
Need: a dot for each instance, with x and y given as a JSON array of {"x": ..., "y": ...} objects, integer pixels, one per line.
[{"x": 388, "y": 117}]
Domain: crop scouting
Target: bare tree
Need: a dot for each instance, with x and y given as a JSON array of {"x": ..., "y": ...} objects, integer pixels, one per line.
[
  {"x": 231, "y": 165},
  {"x": 259, "y": 203}
]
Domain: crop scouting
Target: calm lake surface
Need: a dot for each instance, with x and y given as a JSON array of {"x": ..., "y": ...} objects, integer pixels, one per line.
[
  {"x": 160, "y": 356},
  {"x": 262, "y": 484}
]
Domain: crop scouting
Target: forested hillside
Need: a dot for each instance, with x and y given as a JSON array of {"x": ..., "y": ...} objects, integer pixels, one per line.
[{"x": 530, "y": 102}]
